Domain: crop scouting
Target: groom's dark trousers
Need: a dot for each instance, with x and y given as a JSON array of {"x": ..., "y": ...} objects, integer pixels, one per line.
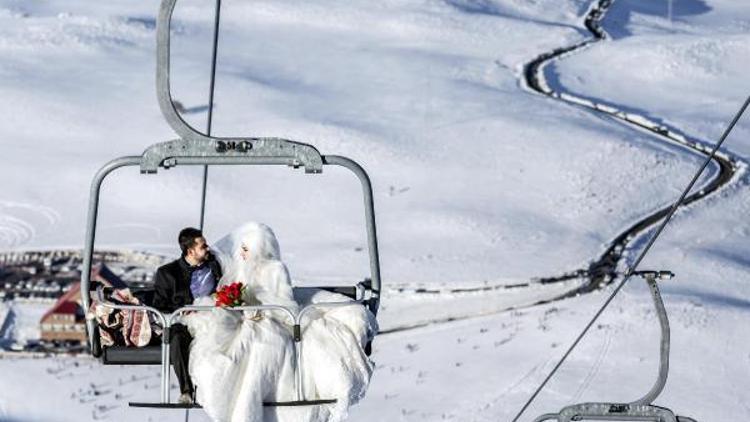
[{"x": 171, "y": 292}]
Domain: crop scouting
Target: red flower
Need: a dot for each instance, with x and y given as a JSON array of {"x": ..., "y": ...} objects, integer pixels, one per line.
[{"x": 230, "y": 295}]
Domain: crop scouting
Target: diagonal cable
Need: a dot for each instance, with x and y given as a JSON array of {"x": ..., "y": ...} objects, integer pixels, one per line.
[
  {"x": 217, "y": 16},
  {"x": 632, "y": 269}
]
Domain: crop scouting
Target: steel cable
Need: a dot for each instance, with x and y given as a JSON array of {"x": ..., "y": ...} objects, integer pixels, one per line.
[{"x": 212, "y": 87}]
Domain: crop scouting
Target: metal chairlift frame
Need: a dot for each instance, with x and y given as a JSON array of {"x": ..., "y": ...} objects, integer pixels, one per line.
[
  {"x": 641, "y": 409},
  {"x": 195, "y": 148}
]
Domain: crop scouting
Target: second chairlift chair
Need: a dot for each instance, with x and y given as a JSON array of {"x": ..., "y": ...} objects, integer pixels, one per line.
[{"x": 641, "y": 409}]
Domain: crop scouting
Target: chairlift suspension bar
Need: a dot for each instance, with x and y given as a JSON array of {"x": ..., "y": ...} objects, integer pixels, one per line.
[
  {"x": 664, "y": 345},
  {"x": 638, "y": 260},
  {"x": 372, "y": 237},
  {"x": 211, "y": 91},
  {"x": 214, "y": 55},
  {"x": 88, "y": 248}
]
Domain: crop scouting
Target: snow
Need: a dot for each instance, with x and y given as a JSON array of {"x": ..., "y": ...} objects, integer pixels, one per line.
[
  {"x": 698, "y": 60},
  {"x": 477, "y": 182},
  {"x": 21, "y": 321},
  {"x": 441, "y": 111}
]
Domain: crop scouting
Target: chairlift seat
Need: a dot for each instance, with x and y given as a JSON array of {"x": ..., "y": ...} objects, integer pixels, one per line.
[
  {"x": 126, "y": 355},
  {"x": 151, "y": 355},
  {"x": 615, "y": 412}
]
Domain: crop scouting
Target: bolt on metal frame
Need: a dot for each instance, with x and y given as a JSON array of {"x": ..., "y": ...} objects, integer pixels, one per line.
[{"x": 195, "y": 148}]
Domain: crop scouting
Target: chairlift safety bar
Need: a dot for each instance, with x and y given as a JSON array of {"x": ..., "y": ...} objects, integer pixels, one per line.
[{"x": 168, "y": 320}]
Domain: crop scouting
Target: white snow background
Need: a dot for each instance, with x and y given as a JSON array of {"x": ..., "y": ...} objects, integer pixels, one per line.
[{"x": 476, "y": 181}]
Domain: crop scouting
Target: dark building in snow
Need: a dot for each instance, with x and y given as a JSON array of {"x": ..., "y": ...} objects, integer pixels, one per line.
[{"x": 66, "y": 320}]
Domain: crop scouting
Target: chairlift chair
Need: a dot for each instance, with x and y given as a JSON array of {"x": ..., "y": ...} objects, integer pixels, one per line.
[
  {"x": 641, "y": 409},
  {"x": 195, "y": 148}
]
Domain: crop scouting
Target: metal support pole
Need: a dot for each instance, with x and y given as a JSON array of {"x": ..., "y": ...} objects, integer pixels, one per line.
[
  {"x": 372, "y": 237},
  {"x": 165, "y": 360},
  {"x": 88, "y": 248},
  {"x": 298, "y": 370},
  {"x": 165, "y": 353},
  {"x": 661, "y": 312}
]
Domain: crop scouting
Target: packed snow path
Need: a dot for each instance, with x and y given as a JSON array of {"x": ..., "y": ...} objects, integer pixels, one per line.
[{"x": 604, "y": 269}]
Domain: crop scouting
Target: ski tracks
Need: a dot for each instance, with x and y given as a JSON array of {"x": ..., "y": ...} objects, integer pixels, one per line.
[
  {"x": 536, "y": 369},
  {"x": 594, "y": 370},
  {"x": 19, "y": 222}
]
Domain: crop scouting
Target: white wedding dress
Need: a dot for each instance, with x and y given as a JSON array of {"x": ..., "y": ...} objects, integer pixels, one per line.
[{"x": 238, "y": 360}]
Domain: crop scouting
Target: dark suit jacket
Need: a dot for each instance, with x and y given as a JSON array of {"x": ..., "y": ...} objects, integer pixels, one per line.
[{"x": 172, "y": 284}]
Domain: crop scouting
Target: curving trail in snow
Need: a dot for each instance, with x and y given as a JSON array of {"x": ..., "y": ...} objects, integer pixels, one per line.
[{"x": 603, "y": 269}]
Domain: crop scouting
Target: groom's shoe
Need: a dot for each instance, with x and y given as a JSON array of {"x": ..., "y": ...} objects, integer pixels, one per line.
[{"x": 185, "y": 398}]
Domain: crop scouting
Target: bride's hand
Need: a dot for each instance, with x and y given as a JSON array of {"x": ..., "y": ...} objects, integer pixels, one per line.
[{"x": 257, "y": 317}]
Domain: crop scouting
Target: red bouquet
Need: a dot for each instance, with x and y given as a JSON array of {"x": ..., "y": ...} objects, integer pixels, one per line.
[{"x": 230, "y": 295}]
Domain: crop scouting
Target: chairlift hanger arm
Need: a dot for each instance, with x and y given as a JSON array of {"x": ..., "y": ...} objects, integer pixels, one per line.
[
  {"x": 261, "y": 151},
  {"x": 372, "y": 237},
  {"x": 193, "y": 142}
]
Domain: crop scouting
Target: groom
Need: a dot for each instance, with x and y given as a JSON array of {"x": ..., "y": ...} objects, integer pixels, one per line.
[{"x": 179, "y": 283}]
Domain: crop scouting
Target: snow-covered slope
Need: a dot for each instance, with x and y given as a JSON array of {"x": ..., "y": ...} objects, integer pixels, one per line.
[{"x": 476, "y": 180}]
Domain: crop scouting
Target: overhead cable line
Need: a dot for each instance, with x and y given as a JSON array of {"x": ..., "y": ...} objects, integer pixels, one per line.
[{"x": 212, "y": 87}]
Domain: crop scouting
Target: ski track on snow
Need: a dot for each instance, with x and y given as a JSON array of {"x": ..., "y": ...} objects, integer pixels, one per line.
[
  {"x": 594, "y": 370},
  {"x": 17, "y": 222}
]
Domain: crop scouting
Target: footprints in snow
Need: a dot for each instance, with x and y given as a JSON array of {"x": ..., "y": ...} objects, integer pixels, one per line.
[{"x": 102, "y": 397}]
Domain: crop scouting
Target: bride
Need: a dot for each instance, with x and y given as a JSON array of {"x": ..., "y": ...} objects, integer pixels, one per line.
[{"x": 238, "y": 360}]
